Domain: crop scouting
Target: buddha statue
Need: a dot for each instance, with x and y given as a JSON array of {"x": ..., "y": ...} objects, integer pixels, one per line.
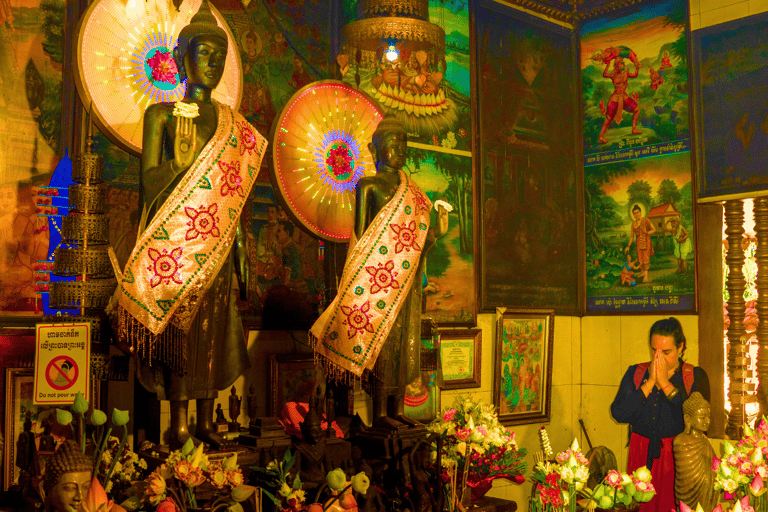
[
  {"x": 373, "y": 327},
  {"x": 694, "y": 478},
  {"x": 67, "y": 479},
  {"x": 177, "y": 298},
  {"x": 311, "y": 457}
]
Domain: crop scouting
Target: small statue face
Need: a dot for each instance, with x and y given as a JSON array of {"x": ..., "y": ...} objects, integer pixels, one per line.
[
  {"x": 700, "y": 419},
  {"x": 70, "y": 492},
  {"x": 312, "y": 432},
  {"x": 392, "y": 150},
  {"x": 204, "y": 61}
]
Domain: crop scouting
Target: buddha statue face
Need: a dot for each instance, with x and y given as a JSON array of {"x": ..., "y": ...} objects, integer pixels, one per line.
[
  {"x": 699, "y": 420},
  {"x": 204, "y": 61},
  {"x": 311, "y": 430},
  {"x": 388, "y": 144},
  {"x": 70, "y": 491}
]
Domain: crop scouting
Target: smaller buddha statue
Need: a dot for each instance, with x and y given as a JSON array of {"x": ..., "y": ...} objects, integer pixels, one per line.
[
  {"x": 67, "y": 479},
  {"x": 311, "y": 457},
  {"x": 694, "y": 478},
  {"x": 47, "y": 442},
  {"x": 234, "y": 410},
  {"x": 26, "y": 451},
  {"x": 220, "y": 419}
]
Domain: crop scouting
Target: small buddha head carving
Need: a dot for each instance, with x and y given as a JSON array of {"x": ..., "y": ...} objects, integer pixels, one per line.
[
  {"x": 67, "y": 478},
  {"x": 388, "y": 143},
  {"x": 696, "y": 413},
  {"x": 201, "y": 50},
  {"x": 311, "y": 431}
]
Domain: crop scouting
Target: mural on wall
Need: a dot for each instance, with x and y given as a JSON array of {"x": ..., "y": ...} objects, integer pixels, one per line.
[
  {"x": 638, "y": 196},
  {"x": 634, "y": 73},
  {"x": 450, "y": 269},
  {"x": 732, "y": 59},
  {"x": 283, "y": 46},
  {"x": 31, "y": 56},
  {"x": 640, "y": 254},
  {"x": 425, "y": 83},
  {"x": 529, "y": 190}
]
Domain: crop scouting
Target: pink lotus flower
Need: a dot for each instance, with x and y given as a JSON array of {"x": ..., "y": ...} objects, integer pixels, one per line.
[
  {"x": 718, "y": 508},
  {"x": 167, "y": 505},
  {"x": 745, "y": 506},
  {"x": 463, "y": 433},
  {"x": 756, "y": 487},
  {"x": 613, "y": 478},
  {"x": 685, "y": 508},
  {"x": 97, "y": 501},
  {"x": 715, "y": 464},
  {"x": 163, "y": 67},
  {"x": 449, "y": 415},
  {"x": 762, "y": 427}
]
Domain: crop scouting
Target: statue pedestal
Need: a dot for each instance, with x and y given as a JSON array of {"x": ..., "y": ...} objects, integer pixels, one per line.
[{"x": 389, "y": 449}]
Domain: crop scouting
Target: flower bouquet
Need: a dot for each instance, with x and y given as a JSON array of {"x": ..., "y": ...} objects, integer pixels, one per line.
[
  {"x": 171, "y": 487},
  {"x": 476, "y": 448},
  {"x": 561, "y": 483},
  {"x": 287, "y": 496},
  {"x": 743, "y": 470}
]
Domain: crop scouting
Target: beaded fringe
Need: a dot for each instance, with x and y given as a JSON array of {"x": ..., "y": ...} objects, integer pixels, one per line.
[
  {"x": 168, "y": 347},
  {"x": 336, "y": 373}
]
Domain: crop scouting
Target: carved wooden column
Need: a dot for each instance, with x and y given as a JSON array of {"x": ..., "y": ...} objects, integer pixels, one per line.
[
  {"x": 761, "y": 255},
  {"x": 737, "y": 354}
]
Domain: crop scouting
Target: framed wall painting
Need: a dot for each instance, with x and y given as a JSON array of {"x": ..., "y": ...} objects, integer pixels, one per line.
[
  {"x": 730, "y": 108},
  {"x": 529, "y": 185},
  {"x": 522, "y": 369},
  {"x": 294, "y": 378},
  {"x": 460, "y": 353},
  {"x": 18, "y": 404}
]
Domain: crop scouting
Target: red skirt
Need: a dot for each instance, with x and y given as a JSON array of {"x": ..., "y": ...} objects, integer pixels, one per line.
[{"x": 662, "y": 472}]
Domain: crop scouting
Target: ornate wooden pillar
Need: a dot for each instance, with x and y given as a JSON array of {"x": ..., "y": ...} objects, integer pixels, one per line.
[
  {"x": 761, "y": 255},
  {"x": 738, "y": 358}
]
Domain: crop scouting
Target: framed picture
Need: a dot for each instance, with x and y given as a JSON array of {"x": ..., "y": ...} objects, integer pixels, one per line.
[
  {"x": 729, "y": 87},
  {"x": 460, "y": 357},
  {"x": 294, "y": 378},
  {"x": 522, "y": 370},
  {"x": 18, "y": 404},
  {"x": 529, "y": 174}
]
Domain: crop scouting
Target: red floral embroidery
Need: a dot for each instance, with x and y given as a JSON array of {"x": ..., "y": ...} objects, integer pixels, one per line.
[
  {"x": 165, "y": 266},
  {"x": 163, "y": 67},
  {"x": 202, "y": 222},
  {"x": 406, "y": 237},
  {"x": 232, "y": 182},
  {"x": 247, "y": 138},
  {"x": 421, "y": 201},
  {"x": 357, "y": 319},
  {"x": 382, "y": 277}
]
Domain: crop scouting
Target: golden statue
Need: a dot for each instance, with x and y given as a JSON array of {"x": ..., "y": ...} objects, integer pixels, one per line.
[
  {"x": 375, "y": 319},
  {"x": 694, "y": 478},
  {"x": 179, "y": 290},
  {"x": 67, "y": 478}
]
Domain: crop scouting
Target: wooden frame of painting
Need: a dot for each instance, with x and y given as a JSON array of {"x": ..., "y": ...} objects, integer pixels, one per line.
[
  {"x": 294, "y": 377},
  {"x": 729, "y": 83},
  {"x": 15, "y": 408},
  {"x": 460, "y": 353},
  {"x": 522, "y": 369},
  {"x": 530, "y": 191}
]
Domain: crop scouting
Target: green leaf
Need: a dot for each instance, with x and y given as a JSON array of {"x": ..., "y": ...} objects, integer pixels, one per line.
[
  {"x": 243, "y": 492},
  {"x": 271, "y": 496},
  {"x": 235, "y": 507},
  {"x": 187, "y": 448},
  {"x": 296, "y": 482}
]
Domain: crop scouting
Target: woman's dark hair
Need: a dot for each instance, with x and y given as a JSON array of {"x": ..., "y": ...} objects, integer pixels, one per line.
[
  {"x": 637, "y": 207},
  {"x": 669, "y": 327}
]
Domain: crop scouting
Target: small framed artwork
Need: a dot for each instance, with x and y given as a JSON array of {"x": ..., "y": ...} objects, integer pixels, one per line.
[
  {"x": 460, "y": 351},
  {"x": 294, "y": 378},
  {"x": 19, "y": 383},
  {"x": 522, "y": 370}
]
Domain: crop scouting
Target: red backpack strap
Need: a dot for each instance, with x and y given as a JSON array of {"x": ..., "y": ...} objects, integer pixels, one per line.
[
  {"x": 640, "y": 373},
  {"x": 688, "y": 377}
]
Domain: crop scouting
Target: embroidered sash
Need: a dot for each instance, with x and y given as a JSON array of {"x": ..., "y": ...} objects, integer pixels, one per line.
[
  {"x": 187, "y": 242},
  {"x": 381, "y": 267}
]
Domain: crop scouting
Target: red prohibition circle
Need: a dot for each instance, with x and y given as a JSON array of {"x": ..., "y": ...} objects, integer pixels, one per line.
[{"x": 55, "y": 367}]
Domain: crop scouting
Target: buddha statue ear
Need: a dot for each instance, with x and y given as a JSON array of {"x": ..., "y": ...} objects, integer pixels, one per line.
[{"x": 687, "y": 422}]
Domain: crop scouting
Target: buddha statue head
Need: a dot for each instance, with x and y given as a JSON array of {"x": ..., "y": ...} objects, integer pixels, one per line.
[
  {"x": 388, "y": 143},
  {"x": 311, "y": 431},
  {"x": 67, "y": 478},
  {"x": 696, "y": 414},
  {"x": 201, "y": 50}
]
